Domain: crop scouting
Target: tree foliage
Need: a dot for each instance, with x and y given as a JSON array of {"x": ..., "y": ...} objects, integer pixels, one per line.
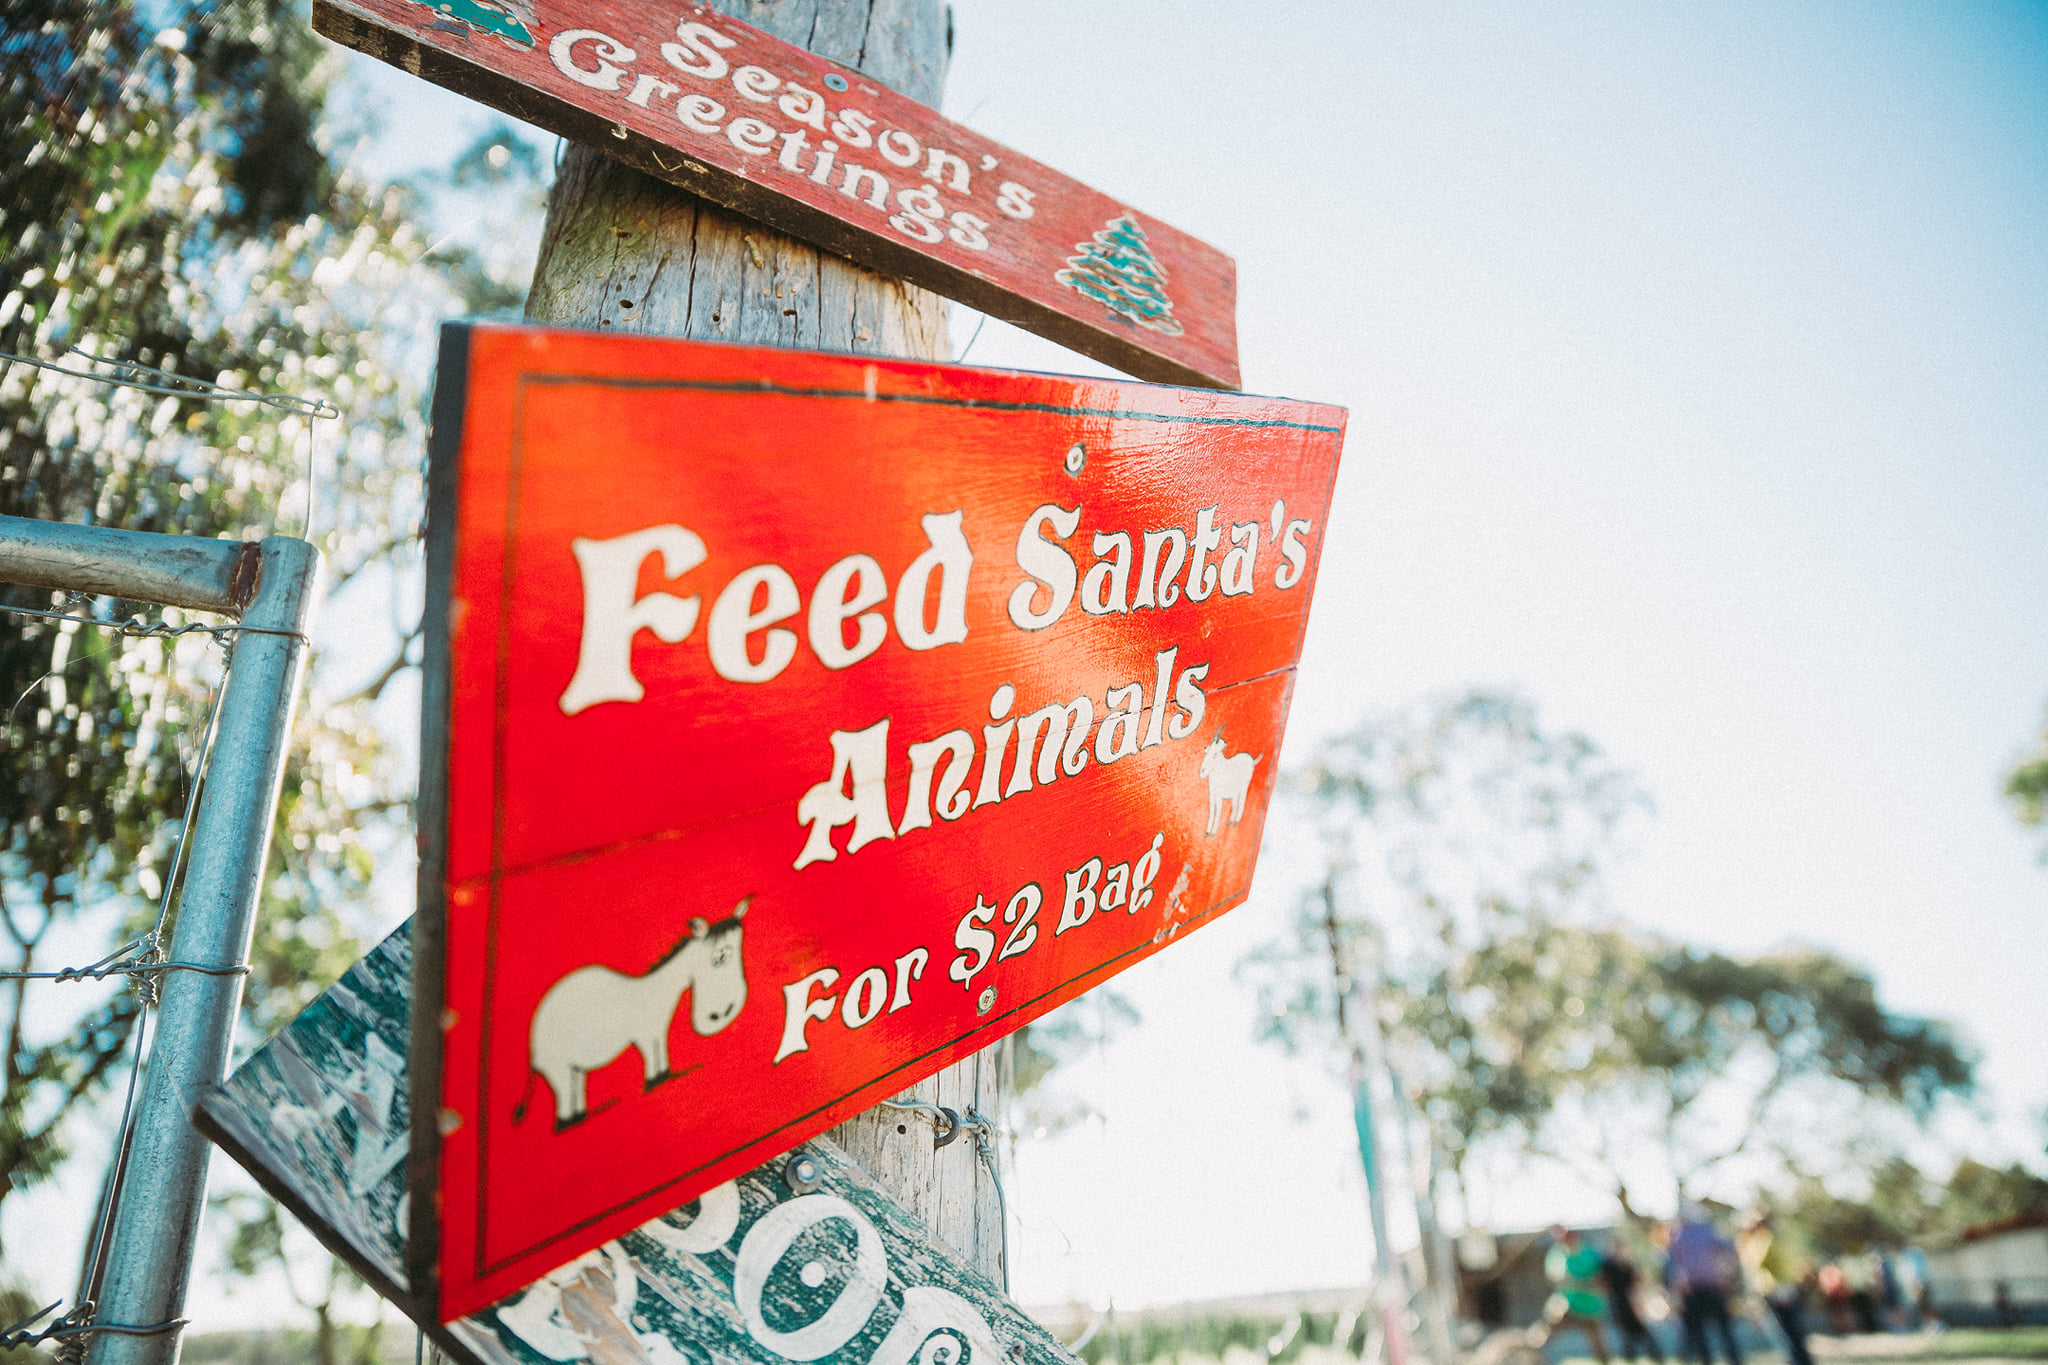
[
  {"x": 1455, "y": 838},
  {"x": 2027, "y": 787},
  {"x": 1715, "y": 1047},
  {"x": 1903, "y": 1205},
  {"x": 167, "y": 197},
  {"x": 1463, "y": 852}
]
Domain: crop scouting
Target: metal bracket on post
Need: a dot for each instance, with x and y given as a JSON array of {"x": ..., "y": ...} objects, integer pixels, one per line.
[{"x": 273, "y": 586}]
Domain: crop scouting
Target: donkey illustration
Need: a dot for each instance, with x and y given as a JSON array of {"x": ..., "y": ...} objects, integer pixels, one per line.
[
  {"x": 594, "y": 1014},
  {"x": 1230, "y": 779}
]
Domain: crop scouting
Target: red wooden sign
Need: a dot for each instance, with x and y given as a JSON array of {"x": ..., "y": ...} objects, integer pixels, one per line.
[
  {"x": 706, "y": 102},
  {"x": 799, "y": 724}
]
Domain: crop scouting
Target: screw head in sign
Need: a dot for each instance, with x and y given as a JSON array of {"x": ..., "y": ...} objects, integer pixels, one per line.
[
  {"x": 803, "y": 1174},
  {"x": 987, "y": 1001},
  {"x": 834, "y": 81},
  {"x": 1077, "y": 458}
]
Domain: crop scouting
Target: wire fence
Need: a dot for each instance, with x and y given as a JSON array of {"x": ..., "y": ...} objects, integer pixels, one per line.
[{"x": 141, "y": 960}]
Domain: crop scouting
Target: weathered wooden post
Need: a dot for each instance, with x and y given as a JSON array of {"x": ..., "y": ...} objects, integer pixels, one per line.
[{"x": 627, "y": 252}]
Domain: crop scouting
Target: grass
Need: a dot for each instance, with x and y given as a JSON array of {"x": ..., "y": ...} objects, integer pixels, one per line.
[{"x": 1962, "y": 1343}]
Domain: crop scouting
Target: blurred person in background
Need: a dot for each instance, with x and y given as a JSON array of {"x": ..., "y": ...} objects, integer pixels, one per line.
[
  {"x": 1703, "y": 1271},
  {"x": 1618, "y": 1273},
  {"x": 1576, "y": 1301},
  {"x": 1778, "y": 1271}
]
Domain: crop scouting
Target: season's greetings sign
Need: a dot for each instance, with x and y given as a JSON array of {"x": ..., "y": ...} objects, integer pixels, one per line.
[
  {"x": 789, "y": 138},
  {"x": 809, "y": 723}
]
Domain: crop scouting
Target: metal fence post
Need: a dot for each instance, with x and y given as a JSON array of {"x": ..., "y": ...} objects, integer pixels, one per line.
[{"x": 157, "y": 1225}]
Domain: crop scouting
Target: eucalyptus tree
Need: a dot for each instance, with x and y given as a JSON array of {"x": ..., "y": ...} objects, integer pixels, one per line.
[
  {"x": 169, "y": 198},
  {"x": 1460, "y": 852},
  {"x": 1456, "y": 842}
]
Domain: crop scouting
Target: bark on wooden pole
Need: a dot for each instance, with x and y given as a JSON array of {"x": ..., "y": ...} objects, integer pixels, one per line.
[{"x": 625, "y": 252}]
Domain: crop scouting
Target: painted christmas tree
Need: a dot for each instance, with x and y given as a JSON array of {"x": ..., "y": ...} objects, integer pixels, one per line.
[{"x": 1119, "y": 272}]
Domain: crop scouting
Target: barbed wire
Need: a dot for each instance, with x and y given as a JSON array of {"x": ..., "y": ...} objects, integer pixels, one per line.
[
  {"x": 141, "y": 961},
  {"x": 129, "y": 376},
  {"x": 137, "y": 628},
  {"x": 140, "y": 966}
]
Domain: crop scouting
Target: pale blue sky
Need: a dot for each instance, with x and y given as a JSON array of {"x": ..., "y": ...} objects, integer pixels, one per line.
[{"x": 1695, "y": 359}]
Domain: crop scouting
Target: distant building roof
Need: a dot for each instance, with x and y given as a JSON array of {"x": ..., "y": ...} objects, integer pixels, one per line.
[{"x": 2019, "y": 1222}]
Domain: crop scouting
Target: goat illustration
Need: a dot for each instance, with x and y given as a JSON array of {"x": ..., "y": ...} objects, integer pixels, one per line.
[
  {"x": 591, "y": 1016},
  {"x": 1230, "y": 779}
]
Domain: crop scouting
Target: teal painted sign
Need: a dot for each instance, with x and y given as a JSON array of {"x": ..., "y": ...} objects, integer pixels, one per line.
[{"x": 802, "y": 1259}]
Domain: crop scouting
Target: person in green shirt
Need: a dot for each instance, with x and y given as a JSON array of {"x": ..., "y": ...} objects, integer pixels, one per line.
[{"x": 1576, "y": 1301}]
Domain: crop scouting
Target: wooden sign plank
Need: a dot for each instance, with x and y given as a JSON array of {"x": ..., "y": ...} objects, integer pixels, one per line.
[
  {"x": 816, "y": 149},
  {"x": 800, "y": 724},
  {"x": 803, "y": 1259}
]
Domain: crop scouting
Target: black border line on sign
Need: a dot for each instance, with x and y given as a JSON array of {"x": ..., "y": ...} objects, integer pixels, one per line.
[{"x": 444, "y": 444}]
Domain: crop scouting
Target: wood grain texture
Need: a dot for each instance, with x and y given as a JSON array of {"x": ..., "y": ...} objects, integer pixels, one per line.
[
  {"x": 319, "y": 1116},
  {"x": 623, "y": 250},
  {"x": 697, "y": 780},
  {"x": 977, "y": 221}
]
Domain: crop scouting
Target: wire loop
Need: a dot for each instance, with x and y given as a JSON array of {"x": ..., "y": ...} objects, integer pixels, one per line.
[{"x": 949, "y": 1124}]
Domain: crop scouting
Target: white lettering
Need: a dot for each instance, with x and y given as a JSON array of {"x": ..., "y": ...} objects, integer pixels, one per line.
[
  {"x": 646, "y": 87},
  {"x": 1050, "y": 567},
  {"x": 1103, "y": 590},
  {"x": 751, "y": 136},
  {"x": 950, "y": 559},
  {"x": 1163, "y": 662},
  {"x": 699, "y": 113},
  {"x": 1202, "y": 575},
  {"x": 696, "y": 54},
  {"x": 852, "y": 127},
  {"x": 798, "y": 1010},
  {"x": 1238, "y": 564},
  {"x": 864, "y": 998},
  {"x": 1066, "y": 728},
  {"x": 805, "y": 106},
  {"x": 979, "y": 942},
  {"x": 1013, "y": 199},
  {"x": 921, "y": 214},
  {"x": 854, "y": 176},
  {"x": 612, "y": 615},
  {"x": 1119, "y": 733},
  {"x": 909, "y": 968},
  {"x": 856, "y": 793},
  {"x": 898, "y": 148},
  {"x": 762, "y": 1250},
  {"x": 1175, "y": 541},
  {"x": 605, "y": 76},
  {"x": 755, "y": 83},
  {"x": 1289, "y": 572},
  {"x": 1026, "y": 902},
  {"x": 833, "y": 605},
  {"x": 969, "y": 231},
  {"x": 924, "y": 759},
  {"x": 948, "y": 169},
  {"x": 1079, "y": 906},
  {"x": 1190, "y": 699},
  {"x": 734, "y": 620}
]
